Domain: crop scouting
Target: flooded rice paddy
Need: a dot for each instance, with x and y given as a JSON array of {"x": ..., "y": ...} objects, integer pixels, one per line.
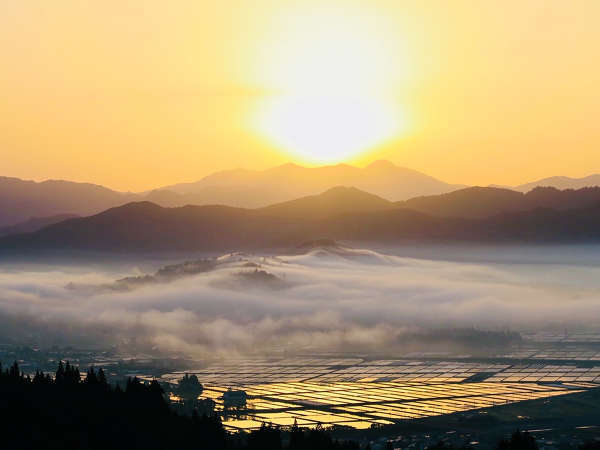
[{"x": 363, "y": 394}]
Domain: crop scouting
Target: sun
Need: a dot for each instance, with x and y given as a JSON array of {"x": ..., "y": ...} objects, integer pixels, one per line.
[
  {"x": 325, "y": 128},
  {"x": 330, "y": 76}
]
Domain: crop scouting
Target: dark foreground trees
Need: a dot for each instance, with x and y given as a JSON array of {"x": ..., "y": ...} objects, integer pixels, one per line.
[
  {"x": 520, "y": 440},
  {"x": 65, "y": 412},
  {"x": 68, "y": 412}
]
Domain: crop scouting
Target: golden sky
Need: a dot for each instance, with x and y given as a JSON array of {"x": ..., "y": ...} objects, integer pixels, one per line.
[{"x": 138, "y": 94}]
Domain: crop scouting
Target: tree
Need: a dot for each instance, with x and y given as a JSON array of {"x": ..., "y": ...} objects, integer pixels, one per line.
[
  {"x": 189, "y": 387},
  {"x": 102, "y": 377},
  {"x": 267, "y": 437},
  {"x": 90, "y": 377},
  {"x": 155, "y": 388},
  {"x": 60, "y": 373},
  {"x": 518, "y": 441},
  {"x": 39, "y": 378},
  {"x": 296, "y": 437},
  {"x": 14, "y": 371}
]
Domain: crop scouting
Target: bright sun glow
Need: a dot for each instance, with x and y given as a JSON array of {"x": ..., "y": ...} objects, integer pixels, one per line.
[
  {"x": 333, "y": 78},
  {"x": 326, "y": 129}
]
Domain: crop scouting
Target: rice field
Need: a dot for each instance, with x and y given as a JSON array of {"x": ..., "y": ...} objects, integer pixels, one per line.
[
  {"x": 362, "y": 394},
  {"x": 363, "y": 405},
  {"x": 248, "y": 372}
]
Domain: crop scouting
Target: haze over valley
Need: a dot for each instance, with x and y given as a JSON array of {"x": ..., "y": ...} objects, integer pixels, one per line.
[{"x": 317, "y": 298}]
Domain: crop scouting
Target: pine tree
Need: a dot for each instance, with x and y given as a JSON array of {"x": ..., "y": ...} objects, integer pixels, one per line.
[
  {"x": 90, "y": 377},
  {"x": 60, "y": 373},
  {"x": 14, "y": 372},
  {"x": 102, "y": 377},
  {"x": 296, "y": 437}
]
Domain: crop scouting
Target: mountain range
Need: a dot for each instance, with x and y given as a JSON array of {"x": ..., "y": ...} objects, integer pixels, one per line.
[
  {"x": 20, "y": 200},
  {"x": 561, "y": 183},
  {"x": 34, "y": 224},
  {"x": 341, "y": 213},
  {"x": 256, "y": 188},
  {"x": 480, "y": 202},
  {"x": 29, "y": 206}
]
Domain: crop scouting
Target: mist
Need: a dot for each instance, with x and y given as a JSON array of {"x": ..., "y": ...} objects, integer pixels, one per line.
[{"x": 342, "y": 300}]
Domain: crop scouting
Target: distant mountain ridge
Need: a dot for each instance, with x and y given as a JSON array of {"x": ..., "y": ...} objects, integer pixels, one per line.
[
  {"x": 341, "y": 214},
  {"x": 560, "y": 182},
  {"x": 34, "y": 224},
  {"x": 337, "y": 200},
  {"x": 480, "y": 202},
  {"x": 22, "y": 200},
  {"x": 257, "y": 188}
]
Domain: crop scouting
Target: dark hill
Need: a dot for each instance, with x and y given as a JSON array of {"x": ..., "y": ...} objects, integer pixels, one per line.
[
  {"x": 144, "y": 226},
  {"x": 481, "y": 202},
  {"x": 34, "y": 224},
  {"x": 21, "y": 199},
  {"x": 337, "y": 200},
  {"x": 339, "y": 214},
  {"x": 473, "y": 202},
  {"x": 561, "y": 182}
]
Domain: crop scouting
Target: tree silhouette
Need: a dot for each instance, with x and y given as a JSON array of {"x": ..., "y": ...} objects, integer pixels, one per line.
[
  {"x": 189, "y": 387},
  {"x": 518, "y": 441},
  {"x": 67, "y": 412}
]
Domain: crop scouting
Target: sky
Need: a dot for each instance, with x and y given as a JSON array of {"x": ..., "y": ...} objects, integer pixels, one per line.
[{"x": 139, "y": 94}]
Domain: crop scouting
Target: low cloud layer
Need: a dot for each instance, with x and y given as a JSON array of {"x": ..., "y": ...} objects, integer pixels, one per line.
[{"x": 358, "y": 300}]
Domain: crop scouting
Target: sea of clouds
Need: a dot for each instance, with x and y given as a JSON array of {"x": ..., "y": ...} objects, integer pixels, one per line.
[{"x": 342, "y": 300}]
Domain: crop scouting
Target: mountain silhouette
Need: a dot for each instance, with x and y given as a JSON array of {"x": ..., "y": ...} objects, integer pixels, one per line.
[
  {"x": 337, "y": 200},
  {"x": 257, "y": 188},
  {"x": 560, "y": 182},
  {"x": 146, "y": 226},
  {"x": 341, "y": 214},
  {"x": 34, "y": 224},
  {"x": 473, "y": 202},
  {"x": 480, "y": 202},
  {"x": 21, "y": 199}
]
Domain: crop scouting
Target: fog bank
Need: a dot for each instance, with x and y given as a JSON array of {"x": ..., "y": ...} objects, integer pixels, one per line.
[{"x": 326, "y": 299}]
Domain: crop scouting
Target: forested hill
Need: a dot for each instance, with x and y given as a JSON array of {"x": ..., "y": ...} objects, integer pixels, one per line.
[{"x": 64, "y": 412}]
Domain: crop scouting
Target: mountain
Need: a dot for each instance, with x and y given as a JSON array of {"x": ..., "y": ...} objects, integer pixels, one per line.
[
  {"x": 473, "y": 202},
  {"x": 144, "y": 226},
  {"x": 560, "y": 182},
  {"x": 541, "y": 225},
  {"x": 480, "y": 202},
  {"x": 337, "y": 200},
  {"x": 342, "y": 214},
  {"x": 253, "y": 188},
  {"x": 21, "y": 199},
  {"x": 34, "y": 224}
]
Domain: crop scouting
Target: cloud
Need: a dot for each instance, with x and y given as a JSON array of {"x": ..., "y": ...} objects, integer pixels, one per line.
[{"x": 333, "y": 301}]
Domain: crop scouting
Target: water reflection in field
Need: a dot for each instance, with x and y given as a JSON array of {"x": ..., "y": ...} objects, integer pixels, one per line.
[
  {"x": 360, "y": 394},
  {"x": 362, "y": 405}
]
